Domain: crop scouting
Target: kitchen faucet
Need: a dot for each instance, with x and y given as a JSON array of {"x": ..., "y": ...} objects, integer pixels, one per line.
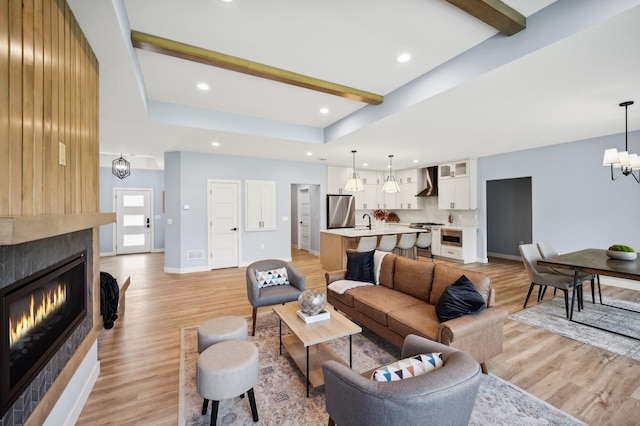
[{"x": 367, "y": 215}]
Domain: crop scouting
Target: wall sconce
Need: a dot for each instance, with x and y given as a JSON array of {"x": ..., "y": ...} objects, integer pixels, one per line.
[{"x": 120, "y": 167}]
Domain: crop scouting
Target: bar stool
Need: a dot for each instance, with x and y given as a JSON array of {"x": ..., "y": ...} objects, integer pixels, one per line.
[
  {"x": 407, "y": 242},
  {"x": 423, "y": 242},
  {"x": 367, "y": 244},
  {"x": 387, "y": 242}
]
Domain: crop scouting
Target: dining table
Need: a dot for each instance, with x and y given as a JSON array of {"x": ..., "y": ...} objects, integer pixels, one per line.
[{"x": 594, "y": 261}]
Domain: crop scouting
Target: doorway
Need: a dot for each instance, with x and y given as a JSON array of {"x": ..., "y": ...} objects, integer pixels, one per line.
[
  {"x": 223, "y": 223},
  {"x": 304, "y": 224},
  {"x": 509, "y": 216},
  {"x": 133, "y": 220}
]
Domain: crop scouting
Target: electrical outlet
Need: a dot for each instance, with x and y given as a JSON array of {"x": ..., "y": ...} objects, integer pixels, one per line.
[{"x": 262, "y": 246}]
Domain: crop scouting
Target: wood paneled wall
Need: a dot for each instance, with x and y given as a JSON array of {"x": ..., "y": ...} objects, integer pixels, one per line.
[{"x": 48, "y": 94}]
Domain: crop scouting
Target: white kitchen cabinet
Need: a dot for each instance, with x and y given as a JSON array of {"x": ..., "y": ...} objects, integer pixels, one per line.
[
  {"x": 260, "y": 205},
  {"x": 336, "y": 178},
  {"x": 467, "y": 253},
  {"x": 458, "y": 185},
  {"x": 408, "y": 181},
  {"x": 368, "y": 199}
]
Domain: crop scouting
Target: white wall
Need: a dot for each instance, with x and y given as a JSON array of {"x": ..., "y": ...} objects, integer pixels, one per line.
[{"x": 575, "y": 203}]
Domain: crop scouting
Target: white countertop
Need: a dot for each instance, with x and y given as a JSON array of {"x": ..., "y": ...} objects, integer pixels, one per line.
[
  {"x": 388, "y": 229},
  {"x": 456, "y": 227}
]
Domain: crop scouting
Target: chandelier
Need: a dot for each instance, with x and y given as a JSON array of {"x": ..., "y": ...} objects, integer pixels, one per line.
[
  {"x": 627, "y": 163},
  {"x": 120, "y": 167}
]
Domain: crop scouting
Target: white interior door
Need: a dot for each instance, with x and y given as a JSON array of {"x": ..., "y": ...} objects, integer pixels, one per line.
[
  {"x": 224, "y": 233},
  {"x": 133, "y": 220},
  {"x": 304, "y": 219}
]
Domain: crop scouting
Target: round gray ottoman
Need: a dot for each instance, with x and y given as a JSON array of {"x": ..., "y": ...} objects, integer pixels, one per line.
[
  {"x": 226, "y": 370},
  {"x": 220, "y": 329}
]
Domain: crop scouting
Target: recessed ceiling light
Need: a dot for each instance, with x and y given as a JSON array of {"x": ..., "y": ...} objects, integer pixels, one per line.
[
  {"x": 365, "y": 164},
  {"x": 416, "y": 161},
  {"x": 215, "y": 143},
  {"x": 403, "y": 57},
  {"x": 227, "y": 1},
  {"x": 203, "y": 86},
  {"x": 309, "y": 154},
  {"x": 324, "y": 110}
]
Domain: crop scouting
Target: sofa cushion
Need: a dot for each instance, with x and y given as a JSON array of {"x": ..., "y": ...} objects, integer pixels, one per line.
[
  {"x": 387, "y": 270},
  {"x": 360, "y": 266},
  {"x": 417, "y": 319},
  {"x": 460, "y": 298},
  {"x": 413, "y": 277},
  {"x": 408, "y": 367},
  {"x": 444, "y": 275},
  {"x": 376, "y": 301}
]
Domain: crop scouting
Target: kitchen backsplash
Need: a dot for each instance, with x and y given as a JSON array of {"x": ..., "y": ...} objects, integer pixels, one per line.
[{"x": 430, "y": 213}]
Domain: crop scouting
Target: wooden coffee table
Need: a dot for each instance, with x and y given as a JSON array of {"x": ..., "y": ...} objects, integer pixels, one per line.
[{"x": 307, "y": 345}]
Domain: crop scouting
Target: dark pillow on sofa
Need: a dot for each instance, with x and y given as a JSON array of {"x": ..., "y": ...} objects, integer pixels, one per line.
[
  {"x": 360, "y": 266},
  {"x": 460, "y": 298}
]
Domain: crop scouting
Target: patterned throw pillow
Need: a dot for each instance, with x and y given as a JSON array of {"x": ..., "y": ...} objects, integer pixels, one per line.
[
  {"x": 408, "y": 367},
  {"x": 273, "y": 277}
]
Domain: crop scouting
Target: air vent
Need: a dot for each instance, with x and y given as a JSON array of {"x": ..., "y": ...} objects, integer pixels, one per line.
[{"x": 195, "y": 254}]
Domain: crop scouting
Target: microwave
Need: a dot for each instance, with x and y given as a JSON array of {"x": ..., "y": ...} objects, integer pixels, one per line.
[{"x": 451, "y": 237}]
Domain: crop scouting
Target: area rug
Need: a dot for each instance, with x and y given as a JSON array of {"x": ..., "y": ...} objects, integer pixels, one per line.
[
  {"x": 281, "y": 393},
  {"x": 551, "y": 316}
]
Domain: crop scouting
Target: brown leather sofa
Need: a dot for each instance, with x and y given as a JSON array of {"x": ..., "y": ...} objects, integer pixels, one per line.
[{"x": 405, "y": 303}]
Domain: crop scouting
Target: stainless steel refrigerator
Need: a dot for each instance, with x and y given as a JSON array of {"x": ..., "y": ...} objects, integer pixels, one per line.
[{"x": 341, "y": 211}]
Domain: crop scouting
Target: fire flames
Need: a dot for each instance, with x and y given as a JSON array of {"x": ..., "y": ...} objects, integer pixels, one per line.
[{"x": 52, "y": 300}]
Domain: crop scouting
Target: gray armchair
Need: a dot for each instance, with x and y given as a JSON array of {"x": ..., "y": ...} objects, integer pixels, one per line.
[
  {"x": 444, "y": 396},
  {"x": 273, "y": 295}
]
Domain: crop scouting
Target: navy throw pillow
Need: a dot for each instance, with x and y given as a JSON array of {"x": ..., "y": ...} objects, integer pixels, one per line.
[
  {"x": 360, "y": 266},
  {"x": 460, "y": 298}
]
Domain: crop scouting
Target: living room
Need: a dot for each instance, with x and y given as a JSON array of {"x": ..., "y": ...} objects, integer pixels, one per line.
[{"x": 575, "y": 203}]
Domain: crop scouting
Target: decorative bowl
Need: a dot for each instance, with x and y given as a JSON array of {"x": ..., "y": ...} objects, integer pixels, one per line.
[
  {"x": 312, "y": 302},
  {"x": 621, "y": 255}
]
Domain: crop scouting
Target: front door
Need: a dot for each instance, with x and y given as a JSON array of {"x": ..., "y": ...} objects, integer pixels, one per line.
[
  {"x": 133, "y": 220},
  {"x": 224, "y": 233}
]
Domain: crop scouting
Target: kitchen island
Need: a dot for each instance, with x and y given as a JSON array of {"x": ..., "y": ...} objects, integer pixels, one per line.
[{"x": 334, "y": 243}]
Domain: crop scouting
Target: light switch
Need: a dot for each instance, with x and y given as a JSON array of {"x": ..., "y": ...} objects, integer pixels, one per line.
[
  {"x": 186, "y": 207},
  {"x": 169, "y": 221}
]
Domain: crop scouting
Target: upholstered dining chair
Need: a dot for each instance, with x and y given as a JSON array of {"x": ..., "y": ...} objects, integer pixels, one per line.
[
  {"x": 445, "y": 395},
  {"x": 268, "y": 284},
  {"x": 548, "y": 250},
  {"x": 543, "y": 276}
]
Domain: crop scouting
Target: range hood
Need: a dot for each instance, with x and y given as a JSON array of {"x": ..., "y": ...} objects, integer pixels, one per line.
[{"x": 430, "y": 182}]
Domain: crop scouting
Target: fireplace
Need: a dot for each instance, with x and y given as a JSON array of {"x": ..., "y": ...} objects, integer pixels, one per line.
[{"x": 37, "y": 315}]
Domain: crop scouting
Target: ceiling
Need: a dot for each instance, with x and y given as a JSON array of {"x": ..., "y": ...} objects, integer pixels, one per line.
[{"x": 467, "y": 91}]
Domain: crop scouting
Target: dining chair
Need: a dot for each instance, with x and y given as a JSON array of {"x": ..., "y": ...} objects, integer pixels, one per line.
[
  {"x": 387, "y": 242},
  {"x": 543, "y": 276},
  {"x": 367, "y": 244},
  {"x": 548, "y": 250}
]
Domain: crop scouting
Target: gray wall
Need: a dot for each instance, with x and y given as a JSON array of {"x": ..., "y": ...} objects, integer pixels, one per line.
[
  {"x": 153, "y": 179},
  {"x": 508, "y": 215},
  {"x": 186, "y": 175},
  {"x": 575, "y": 204}
]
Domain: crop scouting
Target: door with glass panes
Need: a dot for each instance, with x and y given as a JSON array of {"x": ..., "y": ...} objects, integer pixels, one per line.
[{"x": 133, "y": 220}]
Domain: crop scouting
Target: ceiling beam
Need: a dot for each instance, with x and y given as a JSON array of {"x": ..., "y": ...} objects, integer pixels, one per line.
[
  {"x": 495, "y": 13},
  {"x": 209, "y": 57}
]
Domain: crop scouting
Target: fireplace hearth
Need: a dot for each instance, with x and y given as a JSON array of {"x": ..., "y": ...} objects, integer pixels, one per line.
[{"x": 37, "y": 315}]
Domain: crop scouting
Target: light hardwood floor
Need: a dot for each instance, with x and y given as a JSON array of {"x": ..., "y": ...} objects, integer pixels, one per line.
[{"x": 139, "y": 357}]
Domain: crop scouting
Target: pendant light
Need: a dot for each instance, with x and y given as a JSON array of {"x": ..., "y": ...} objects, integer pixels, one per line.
[
  {"x": 354, "y": 183},
  {"x": 390, "y": 185},
  {"x": 627, "y": 163},
  {"x": 120, "y": 167}
]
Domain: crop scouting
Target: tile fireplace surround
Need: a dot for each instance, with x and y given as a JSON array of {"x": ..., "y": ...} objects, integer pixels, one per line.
[{"x": 21, "y": 260}]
